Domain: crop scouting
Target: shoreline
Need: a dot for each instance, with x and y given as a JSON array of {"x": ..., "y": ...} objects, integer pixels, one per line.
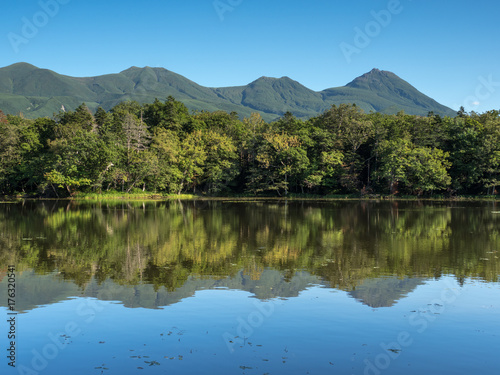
[{"x": 186, "y": 197}]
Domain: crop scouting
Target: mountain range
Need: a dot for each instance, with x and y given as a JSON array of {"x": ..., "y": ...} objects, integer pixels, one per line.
[{"x": 36, "y": 92}]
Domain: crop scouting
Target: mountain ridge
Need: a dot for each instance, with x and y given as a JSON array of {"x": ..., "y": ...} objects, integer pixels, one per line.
[{"x": 38, "y": 92}]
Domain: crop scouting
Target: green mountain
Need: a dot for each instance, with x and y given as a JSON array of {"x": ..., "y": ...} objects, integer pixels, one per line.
[{"x": 40, "y": 92}]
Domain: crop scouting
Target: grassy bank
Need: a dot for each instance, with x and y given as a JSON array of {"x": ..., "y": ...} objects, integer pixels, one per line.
[
  {"x": 110, "y": 195},
  {"x": 140, "y": 195}
]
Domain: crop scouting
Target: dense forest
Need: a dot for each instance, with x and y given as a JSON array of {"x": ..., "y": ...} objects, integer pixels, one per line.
[{"x": 163, "y": 148}]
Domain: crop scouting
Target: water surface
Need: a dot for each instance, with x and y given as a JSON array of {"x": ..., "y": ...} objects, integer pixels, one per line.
[{"x": 227, "y": 287}]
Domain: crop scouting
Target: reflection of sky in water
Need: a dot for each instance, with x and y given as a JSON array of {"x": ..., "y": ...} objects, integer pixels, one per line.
[{"x": 447, "y": 328}]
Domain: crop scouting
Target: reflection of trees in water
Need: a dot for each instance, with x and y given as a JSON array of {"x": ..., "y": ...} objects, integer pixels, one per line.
[{"x": 164, "y": 243}]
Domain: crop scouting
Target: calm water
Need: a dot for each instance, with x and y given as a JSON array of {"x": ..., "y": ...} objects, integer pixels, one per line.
[{"x": 223, "y": 287}]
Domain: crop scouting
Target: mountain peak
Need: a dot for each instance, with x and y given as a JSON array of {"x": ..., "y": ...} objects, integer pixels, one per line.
[
  {"x": 273, "y": 79},
  {"x": 264, "y": 78},
  {"x": 21, "y": 66},
  {"x": 284, "y": 81},
  {"x": 24, "y": 65},
  {"x": 138, "y": 68},
  {"x": 376, "y": 78},
  {"x": 389, "y": 86}
]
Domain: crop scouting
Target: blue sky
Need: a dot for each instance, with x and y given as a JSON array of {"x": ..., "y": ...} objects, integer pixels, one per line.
[{"x": 448, "y": 50}]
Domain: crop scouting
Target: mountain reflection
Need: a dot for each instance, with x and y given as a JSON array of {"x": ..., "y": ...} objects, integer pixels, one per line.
[{"x": 155, "y": 254}]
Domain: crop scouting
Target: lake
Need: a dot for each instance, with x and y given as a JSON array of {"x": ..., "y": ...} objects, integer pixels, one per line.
[{"x": 250, "y": 287}]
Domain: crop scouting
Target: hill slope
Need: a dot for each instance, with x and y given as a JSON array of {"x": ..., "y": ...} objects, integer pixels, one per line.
[{"x": 40, "y": 92}]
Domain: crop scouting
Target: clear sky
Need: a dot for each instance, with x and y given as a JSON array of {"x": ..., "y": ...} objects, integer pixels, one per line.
[{"x": 449, "y": 50}]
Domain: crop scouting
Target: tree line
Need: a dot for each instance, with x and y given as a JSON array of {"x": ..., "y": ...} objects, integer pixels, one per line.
[{"x": 161, "y": 147}]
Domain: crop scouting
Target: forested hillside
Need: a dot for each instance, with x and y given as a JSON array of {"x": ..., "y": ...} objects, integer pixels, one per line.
[
  {"x": 163, "y": 148},
  {"x": 36, "y": 92}
]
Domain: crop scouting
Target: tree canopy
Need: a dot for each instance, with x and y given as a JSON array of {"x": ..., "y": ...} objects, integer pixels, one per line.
[{"x": 163, "y": 148}]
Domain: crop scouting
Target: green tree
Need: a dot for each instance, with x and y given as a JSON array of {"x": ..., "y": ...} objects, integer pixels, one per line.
[
  {"x": 142, "y": 165},
  {"x": 343, "y": 132},
  {"x": 466, "y": 144},
  {"x": 280, "y": 159},
  {"x": 68, "y": 181},
  {"x": 170, "y": 115},
  {"x": 166, "y": 146},
  {"x": 69, "y": 123},
  {"x": 192, "y": 157},
  {"x": 393, "y": 162},
  {"x": 83, "y": 160},
  {"x": 415, "y": 169},
  {"x": 221, "y": 164},
  {"x": 10, "y": 154},
  {"x": 427, "y": 170}
]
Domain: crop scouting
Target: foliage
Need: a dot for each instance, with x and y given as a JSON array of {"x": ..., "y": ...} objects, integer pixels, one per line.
[
  {"x": 164, "y": 149},
  {"x": 417, "y": 169}
]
